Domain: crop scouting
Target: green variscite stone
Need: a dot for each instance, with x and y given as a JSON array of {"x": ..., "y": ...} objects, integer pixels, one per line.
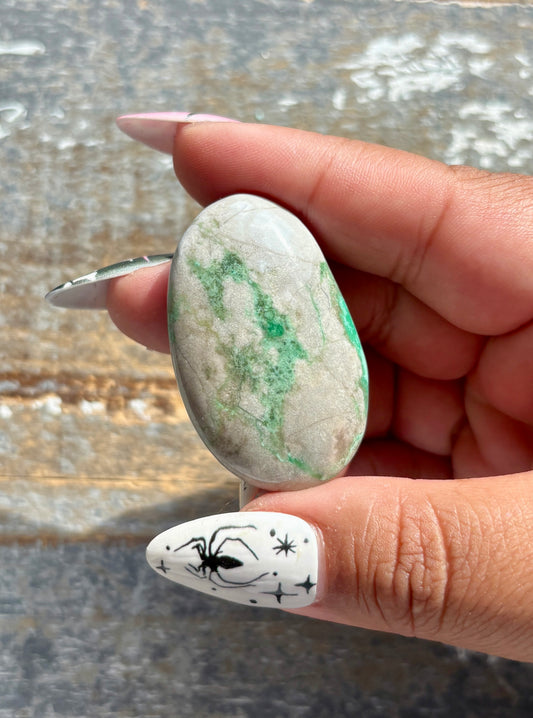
[{"x": 266, "y": 355}]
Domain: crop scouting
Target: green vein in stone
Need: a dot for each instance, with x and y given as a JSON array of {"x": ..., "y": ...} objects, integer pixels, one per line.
[
  {"x": 347, "y": 322},
  {"x": 173, "y": 310},
  {"x": 318, "y": 315},
  {"x": 342, "y": 308},
  {"x": 242, "y": 365},
  {"x": 265, "y": 368},
  {"x": 172, "y": 316},
  {"x": 212, "y": 281},
  {"x": 303, "y": 466}
]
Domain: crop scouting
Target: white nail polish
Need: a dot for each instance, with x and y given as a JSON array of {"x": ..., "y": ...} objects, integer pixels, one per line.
[
  {"x": 255, "y": 558},
  {"x": 90, "y": 291}
]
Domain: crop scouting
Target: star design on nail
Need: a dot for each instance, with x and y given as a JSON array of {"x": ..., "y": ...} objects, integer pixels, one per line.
[
  {"x": 286, "y": 546},
  {"x": 279, "y": 593},
  {"x": 307, "y": 584},
  {"x": 162, "y": 567}
]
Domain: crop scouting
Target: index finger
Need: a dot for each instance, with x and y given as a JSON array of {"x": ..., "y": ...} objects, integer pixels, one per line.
[{"x": 457, "y": 238}]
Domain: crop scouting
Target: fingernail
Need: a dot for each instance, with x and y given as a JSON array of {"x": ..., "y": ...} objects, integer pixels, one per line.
[
  {"x": 256, "y": 558},
  {"x": 157, "y": 129},
  {"x": 90, "y": 291}
]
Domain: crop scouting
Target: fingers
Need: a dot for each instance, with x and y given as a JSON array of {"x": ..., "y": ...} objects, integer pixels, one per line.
[
  {"x": 491, "y": 442},
  {"x": 428, "y": 413},
  {"x": 387, "y": 317},
  {"x": 499, "y": 405},
  {"x": 391, "y": 457},
  {"x": 510, "y": 358},
  {"x": 412, "y": 426},
  {"x": 445, "y": 561},
  {"x": 137, "y": 305},
  {"x": 458, "y": 239},
  {"x": 404, "y": 329}
]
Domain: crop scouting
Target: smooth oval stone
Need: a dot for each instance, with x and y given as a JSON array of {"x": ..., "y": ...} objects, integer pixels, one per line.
[{"x": 266, "y": 355}]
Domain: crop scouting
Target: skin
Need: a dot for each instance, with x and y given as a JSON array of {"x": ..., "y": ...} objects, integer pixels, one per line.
[{"x": 431, "y": 532}]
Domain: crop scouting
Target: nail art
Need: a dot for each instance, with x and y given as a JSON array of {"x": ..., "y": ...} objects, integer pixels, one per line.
[
  {"x": 157, "y": 129},
  {"x": 90, "y": 291},
  {"x": 255, "y": 558}
]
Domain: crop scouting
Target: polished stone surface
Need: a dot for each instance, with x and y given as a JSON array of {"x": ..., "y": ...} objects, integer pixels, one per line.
[
  {"x": 97, "y": 454},
  {"x": 266, "y": 354}
]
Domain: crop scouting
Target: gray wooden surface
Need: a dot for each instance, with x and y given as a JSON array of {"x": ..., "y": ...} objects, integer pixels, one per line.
[{"x": 96, "y": 452}]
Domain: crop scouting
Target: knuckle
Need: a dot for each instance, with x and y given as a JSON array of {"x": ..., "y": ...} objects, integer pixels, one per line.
[
  {"x": 509, "y": 191},
  {"x": 381, "y": 326},
  {"x": 482, "y": 191},
  {"x": 411, "y": 583}
]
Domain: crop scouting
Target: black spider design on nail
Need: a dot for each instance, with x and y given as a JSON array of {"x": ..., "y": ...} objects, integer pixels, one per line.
[{"x": 213, "y": 560}]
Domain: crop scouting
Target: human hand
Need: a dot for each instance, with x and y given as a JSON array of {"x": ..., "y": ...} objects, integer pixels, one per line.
[{"x": 436, "y": 265}]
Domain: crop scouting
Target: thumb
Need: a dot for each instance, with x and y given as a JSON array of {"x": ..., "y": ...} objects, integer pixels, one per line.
[{"x": 449, "y": 561}]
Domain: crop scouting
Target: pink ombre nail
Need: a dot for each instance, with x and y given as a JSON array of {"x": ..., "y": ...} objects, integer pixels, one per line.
[{"x": 157, "y": 129}]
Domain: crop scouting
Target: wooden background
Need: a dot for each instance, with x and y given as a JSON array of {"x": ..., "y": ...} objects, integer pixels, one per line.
[{"x": 96, "y": 452}]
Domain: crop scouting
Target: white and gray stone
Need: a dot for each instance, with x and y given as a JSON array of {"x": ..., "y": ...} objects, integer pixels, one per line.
[{"x": 266, "y": 355}]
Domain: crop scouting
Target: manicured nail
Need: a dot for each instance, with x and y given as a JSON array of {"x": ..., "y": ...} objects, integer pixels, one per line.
[
  {"x": 157, "y": 129},
  {"x": 90, "y": 291},
  {"x": 257, "y": 558}
]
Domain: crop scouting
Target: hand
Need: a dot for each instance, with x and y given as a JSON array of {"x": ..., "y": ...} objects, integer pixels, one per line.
[{"x": 436, "y": 265}]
